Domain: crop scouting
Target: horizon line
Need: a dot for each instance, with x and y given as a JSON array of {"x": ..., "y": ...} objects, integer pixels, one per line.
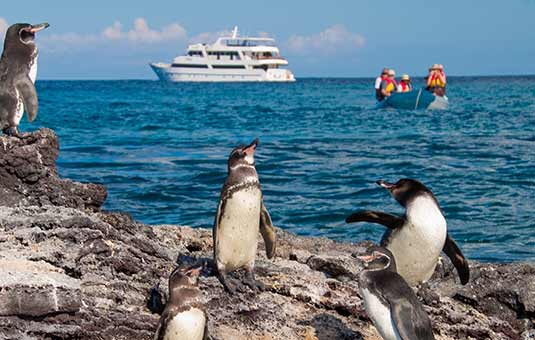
[{"x": 297, "y": 77}]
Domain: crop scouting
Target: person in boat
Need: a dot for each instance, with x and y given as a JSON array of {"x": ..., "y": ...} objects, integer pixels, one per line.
[
  {"x": 388, "y": 85},
  {"x": 392, "y": 76},
  {"x": 405, "y": 84},
  {"x": 378, "y": 81},
  {"x": 436, "y": 80}
]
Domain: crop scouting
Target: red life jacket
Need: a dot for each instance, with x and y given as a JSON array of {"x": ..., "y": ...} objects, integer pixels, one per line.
[
  {"x": 378, "y": 95},
  {"x": 405, "y": 87}
]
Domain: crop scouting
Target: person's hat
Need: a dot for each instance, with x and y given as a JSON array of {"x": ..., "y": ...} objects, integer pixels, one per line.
[
  {"x": 391, "y": 72},
  {"x": 440, "y": 66},
  {"x": 405, "y": 77},
  {"x": 435, "y": 67}
]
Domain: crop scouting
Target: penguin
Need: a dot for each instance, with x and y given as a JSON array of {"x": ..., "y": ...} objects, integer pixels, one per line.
[
  {"x": 18, "y": 70},
  {"x": 389, "y": 301},
  {"x": 417, "y": 238},
  {"x": 184, "y": 316},
  {"x": 241, "y": 215}
]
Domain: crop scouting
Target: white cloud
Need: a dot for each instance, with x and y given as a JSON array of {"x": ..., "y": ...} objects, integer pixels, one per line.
[
  {"x": 113, "y": 32},
  {"x": 3, "y": 27},
  {"x": 332, "y": 40},
  {"x": 143, "y": 33}
]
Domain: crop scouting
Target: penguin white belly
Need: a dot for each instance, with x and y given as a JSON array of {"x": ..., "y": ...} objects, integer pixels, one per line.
[
  {"x": 188, "y": 325},
  {"x": 380, "y": 315},
  {"x": 237, "y": 234},
  {"x": 20, "y": 103},
  {"x": 20, "y": 109},
  {"x": 33, "y": 70},
  {"x": 417, "y": 244}
]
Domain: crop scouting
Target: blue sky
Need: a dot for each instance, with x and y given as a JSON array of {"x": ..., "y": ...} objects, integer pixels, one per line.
[{"x": 116, "y": 39}]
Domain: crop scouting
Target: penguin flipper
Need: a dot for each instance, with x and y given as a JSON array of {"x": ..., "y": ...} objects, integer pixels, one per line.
[
  {"x": 162, "y": 325},
  {"x": 215, "y": 230},
  {"x": 206, "y": 335},
  {"x": 410, "y": 322},
  {"x": 268, "y": 232},
  {"x": 388, "y": 220},
  {"x": 27, "y": 90},
  {"x": 457, "y": 258}
]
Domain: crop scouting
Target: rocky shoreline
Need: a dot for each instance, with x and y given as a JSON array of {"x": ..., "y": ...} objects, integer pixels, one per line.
[{"x": 69, "y": 270}]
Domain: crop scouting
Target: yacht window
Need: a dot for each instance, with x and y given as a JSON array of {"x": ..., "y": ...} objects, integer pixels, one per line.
[
  {"x": 190, "y": 65},
  {"x": 229, "y": 66},
  {"x": 247, "y": 42}
]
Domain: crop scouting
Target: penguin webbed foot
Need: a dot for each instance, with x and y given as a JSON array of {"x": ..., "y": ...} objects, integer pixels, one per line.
[
  {"x": 12, "y": 131},
  {"x": 231, "y": 285},
  {"x": 254, "y": 284}
]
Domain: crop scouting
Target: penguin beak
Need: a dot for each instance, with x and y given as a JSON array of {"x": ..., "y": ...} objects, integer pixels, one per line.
[
  {"x": 194, "y": 272},
  {"x": 39, "y": 27},
  {"x": 386, "y": 185},
  {"x": 251, "y": 148},
  {"x": 366, "y": 258}
]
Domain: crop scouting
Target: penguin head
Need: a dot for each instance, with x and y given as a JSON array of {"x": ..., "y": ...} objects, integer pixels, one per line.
[
  {"x": 378, "y": 258},
  {"x": 243, "y": 155},
  {"x": 184, "y": 284},
  {"x": 184, "y": 277},
  {"x": 405, "y": 189},
  {"x": 22, "y": 36}
]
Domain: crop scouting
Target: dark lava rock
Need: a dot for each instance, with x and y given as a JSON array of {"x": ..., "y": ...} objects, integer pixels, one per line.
[{"x": 28, "y": 175}]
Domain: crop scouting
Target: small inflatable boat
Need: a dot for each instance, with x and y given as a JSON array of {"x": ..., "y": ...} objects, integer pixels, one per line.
[{"x": 414, "y": 100}]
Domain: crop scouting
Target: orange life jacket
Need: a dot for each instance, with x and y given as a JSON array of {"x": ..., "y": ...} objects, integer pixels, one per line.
[
  {"x": 391, "y": 85},
  {"x": 436, "y": 81}
]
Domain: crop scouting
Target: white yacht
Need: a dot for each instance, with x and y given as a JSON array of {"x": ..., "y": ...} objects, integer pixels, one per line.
[{"x": 229, "y": 59}]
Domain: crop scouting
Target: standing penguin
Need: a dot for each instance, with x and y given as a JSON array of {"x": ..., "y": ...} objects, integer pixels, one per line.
[
  {"x": 417, "y": 238},
  {"x": 389, "y": 301},
  {"x": 18, "y": 70},
  {"x": 184, "y": 317},
  {"x": 241, "y": 214}
]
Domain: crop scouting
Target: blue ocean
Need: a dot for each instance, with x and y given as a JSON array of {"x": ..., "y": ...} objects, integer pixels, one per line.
[{"x": 161, "y": 150}]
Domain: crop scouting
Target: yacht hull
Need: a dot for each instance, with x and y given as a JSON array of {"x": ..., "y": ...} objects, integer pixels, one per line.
[{"x": 168, "y": 73}]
